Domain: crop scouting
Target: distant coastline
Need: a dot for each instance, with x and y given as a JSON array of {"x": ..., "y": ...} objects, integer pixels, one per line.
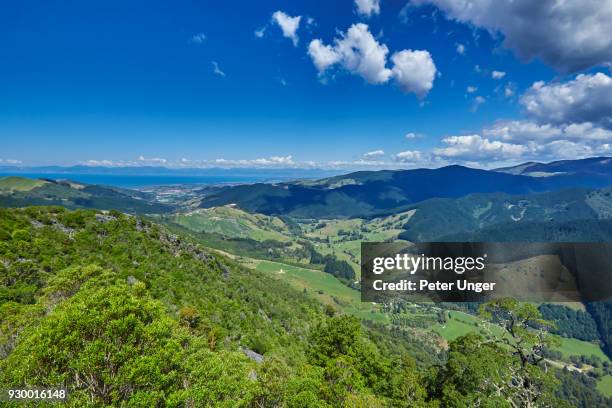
[{"x": 138, "y": 181}]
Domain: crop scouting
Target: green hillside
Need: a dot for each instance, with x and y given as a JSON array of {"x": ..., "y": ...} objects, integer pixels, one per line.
[
  {"x": 13, "y": 183},
  {"x": 180, "y": 324},
  {"x": 22, "y": 192},
  {"x": 439, "y": 217},
  {"x": 122, "y": 312},
  {"x": 235, "y": 223}
]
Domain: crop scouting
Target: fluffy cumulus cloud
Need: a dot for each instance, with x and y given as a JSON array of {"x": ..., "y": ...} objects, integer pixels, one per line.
[
  {"x": 367, "y": 7},
  {"x": 563, "y": 120},
  {"x": 408, "y": 157},
  {"x": 288, "y": 25},
  {"x": 476, "y": 147},
  {"x": 414, "y": 71},
  {"x": 374, "y": 155},
  {"x": 323, "y": 56},
  {"x": 569, "y": 35},
  {"x": 460, "y": 49},
  {"x": 358, "y": 52},
  {"x": 587, "y": 98},
  {"x": 525, "y": 131},
  {"x": 522, "y": 140}
]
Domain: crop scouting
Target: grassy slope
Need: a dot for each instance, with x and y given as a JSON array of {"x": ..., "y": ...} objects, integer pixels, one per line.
[
  {"x": 234, "y": 223},
  {"x": 604, "y": 385},
  {"x": 459, "y": 324},
  {"x": 23, "y": 192},
  {"x": 13, "y": 183},
  {"x": 575, "y": 347},
  {"x": 324, "y": 287}
]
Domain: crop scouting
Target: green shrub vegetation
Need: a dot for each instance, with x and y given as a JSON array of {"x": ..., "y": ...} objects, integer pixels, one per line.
[{"x": 125, "y": 313}]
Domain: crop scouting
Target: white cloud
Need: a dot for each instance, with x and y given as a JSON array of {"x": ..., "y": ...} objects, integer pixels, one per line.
[
  {"x": 509, "y": 90},
  {"x": 375, "y": 154},
  {"x": 216, "y": 69},
  {"x": 569, "y": 35},
  {"x": 152, "y": 160},
  {"x": 260, "y": 32},
  {"x": 273, "y": 161},
  {"x": 288, "y": 25},
  {"x": 323, "y": 56},
  {"x": 141, "y": 161},
  {"x": 475, "y": 147},
  {"x": 358, "y": 52},
  {"x": 408, "y": 156},
  {"x": 524, "y": 131},
  {"x": 367, "y": 8},
  {"x": 507, "y": 142},
  {"x": 471, "y": 89},
  {"x": 414, "y": 71},
  {"x": 198, "y": 38},
  {"x": 460, "y": 49},
  {"x": 479, "y": 100},
  {"x": 10, "y": 161},
  {"x": 361, "y": 53},
  {"x": 498, "y": 74},
  {"x": 109, "y": 163},
  {"x": 587, "y": 98},
  {"x": 412, "y": 135}
]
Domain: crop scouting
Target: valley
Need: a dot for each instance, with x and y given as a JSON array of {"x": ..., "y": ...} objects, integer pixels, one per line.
[{"x": 315, "y": 251}]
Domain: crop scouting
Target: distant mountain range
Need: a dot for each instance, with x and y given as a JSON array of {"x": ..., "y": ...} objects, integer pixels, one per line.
[{"x": 369, "y": 193}]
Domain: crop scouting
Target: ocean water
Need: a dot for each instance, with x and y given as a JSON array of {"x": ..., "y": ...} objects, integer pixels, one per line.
[{"x": 133, "y": 181}]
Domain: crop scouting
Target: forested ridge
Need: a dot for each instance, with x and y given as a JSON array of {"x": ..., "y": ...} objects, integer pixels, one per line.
[{"x": 124, "y": 313}]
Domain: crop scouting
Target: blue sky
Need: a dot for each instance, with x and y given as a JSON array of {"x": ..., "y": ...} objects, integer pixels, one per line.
[{"x": 191, "y": 84}]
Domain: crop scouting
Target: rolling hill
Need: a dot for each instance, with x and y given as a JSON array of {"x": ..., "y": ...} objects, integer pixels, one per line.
[
  {"x": 483, "y": 214},
  {"x": 21, "y": 192}
]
